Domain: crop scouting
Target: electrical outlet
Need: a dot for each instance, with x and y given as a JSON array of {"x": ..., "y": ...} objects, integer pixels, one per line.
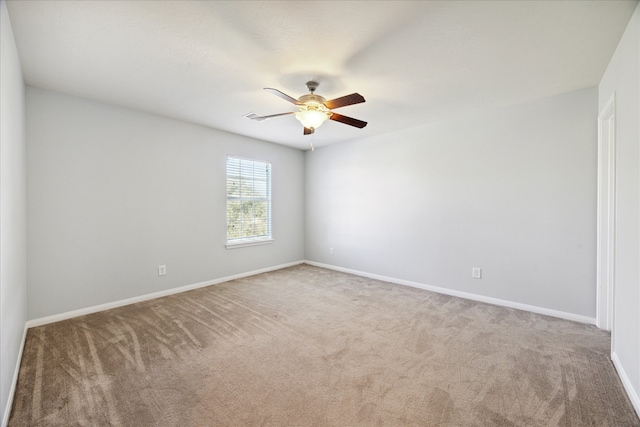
[
  {"x": 331, "y": 251},
  {"x": 476, "y": 273},
  {"x": 162, "y": 270}
]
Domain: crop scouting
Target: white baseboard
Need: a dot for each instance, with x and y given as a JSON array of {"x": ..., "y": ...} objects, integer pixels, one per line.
[
  {"x": 146, "y": 297},
  {"x": 14, "y": 383},
  {"x": 465, "y": 295},
  {"x": 633, "y": 394}
]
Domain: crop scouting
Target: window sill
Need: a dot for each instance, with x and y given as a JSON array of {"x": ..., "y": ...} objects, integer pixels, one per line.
[{"x": 249, "y": 242}]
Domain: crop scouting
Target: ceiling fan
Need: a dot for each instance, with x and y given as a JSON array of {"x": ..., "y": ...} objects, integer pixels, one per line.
[{"x": 314, "y": 109}]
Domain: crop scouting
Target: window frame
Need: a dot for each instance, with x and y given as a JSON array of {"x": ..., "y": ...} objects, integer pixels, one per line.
[{"x": 262, "y": 239}]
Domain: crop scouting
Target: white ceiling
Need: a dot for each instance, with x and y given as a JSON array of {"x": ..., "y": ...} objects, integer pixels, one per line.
[{"x": 415, "y": 62}]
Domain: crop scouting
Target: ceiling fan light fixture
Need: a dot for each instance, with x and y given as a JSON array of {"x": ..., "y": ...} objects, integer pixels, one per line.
[{"x": 311, "y": 116}]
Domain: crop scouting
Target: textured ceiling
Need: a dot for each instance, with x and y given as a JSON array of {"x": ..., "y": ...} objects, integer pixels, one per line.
[{"x": 415, "y": 62}]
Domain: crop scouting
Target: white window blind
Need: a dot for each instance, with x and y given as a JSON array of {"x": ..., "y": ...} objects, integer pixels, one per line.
[{"x": 248, "y": 201}]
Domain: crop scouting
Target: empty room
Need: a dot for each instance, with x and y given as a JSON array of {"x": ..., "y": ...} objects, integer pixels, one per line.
[{"x": 320, "y": 213}]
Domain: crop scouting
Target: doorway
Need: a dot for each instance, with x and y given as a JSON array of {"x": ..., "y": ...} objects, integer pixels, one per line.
[{"x": 606, "y": 217}]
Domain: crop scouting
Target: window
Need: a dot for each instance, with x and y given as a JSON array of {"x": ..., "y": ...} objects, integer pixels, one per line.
[{"x": 248, "y": 202}]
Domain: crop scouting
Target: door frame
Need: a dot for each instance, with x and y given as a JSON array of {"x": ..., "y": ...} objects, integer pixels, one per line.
[{"x": 605, "y": 264}]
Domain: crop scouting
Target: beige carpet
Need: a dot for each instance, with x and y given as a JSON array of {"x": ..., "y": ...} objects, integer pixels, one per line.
[{"x": 305, "y": 346}]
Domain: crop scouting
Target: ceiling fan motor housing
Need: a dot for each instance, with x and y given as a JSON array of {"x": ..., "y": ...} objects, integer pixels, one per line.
[
  {"x": 312, "y": 112},
  {"x": 312, "y": 99}
]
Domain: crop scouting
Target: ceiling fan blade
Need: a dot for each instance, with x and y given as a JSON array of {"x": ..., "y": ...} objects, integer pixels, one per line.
[
  {"x": 354, "y": 98},
  {"x": 282, "y": 95},
  {"x": 308, "y": 131},
  {"x": 256, "y": 117},
  {"x": 348, "y": 120}
]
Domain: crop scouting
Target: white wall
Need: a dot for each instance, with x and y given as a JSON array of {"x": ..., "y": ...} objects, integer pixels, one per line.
[
  {"x": 512, "y": 191},
  {"x": 13, "y": 255},
  {"x": 113, "y": 193},
  {"x": 623, "y": 77}
]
